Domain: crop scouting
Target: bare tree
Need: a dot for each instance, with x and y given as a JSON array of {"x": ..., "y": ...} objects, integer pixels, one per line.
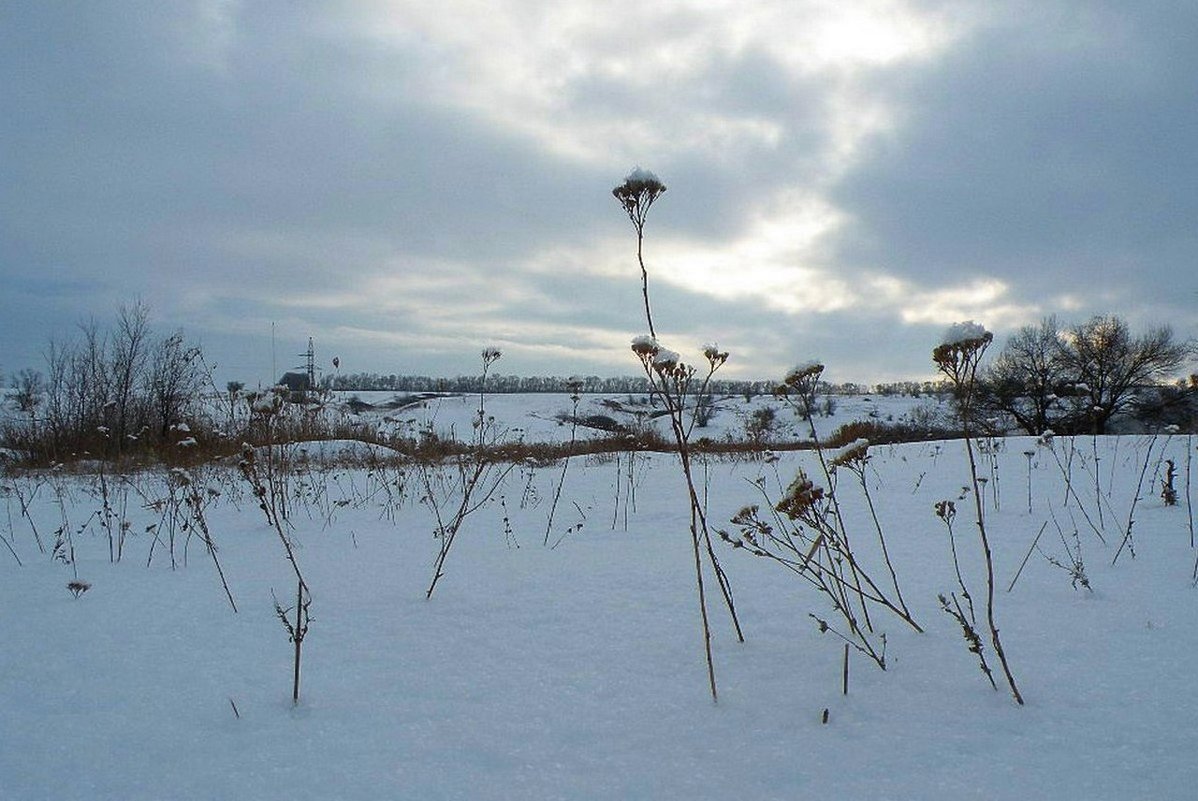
[
  {"x": 28, "y": 387},
  {"x": 1076, "y": 379},
  {"x": 129, "y": 343},
  {"x": 173, "y": 381},
  {"x": 1025, "y": 381},
  {"x": 1109, "y": 364}
]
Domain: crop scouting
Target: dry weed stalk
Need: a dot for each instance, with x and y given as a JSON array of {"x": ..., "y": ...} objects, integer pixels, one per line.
[
  {"x": 299, "y": 629},
  {"x": 478, "y": 476},
  {"x": 675, "y": 382},
  {"x": 958, "y": 357}
]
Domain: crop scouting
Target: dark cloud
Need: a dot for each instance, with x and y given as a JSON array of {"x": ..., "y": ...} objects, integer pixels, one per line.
[{"x": 1052, "y": 150}]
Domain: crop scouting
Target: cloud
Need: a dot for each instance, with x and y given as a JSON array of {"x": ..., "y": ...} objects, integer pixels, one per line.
[{"x": 408, "y": 181}]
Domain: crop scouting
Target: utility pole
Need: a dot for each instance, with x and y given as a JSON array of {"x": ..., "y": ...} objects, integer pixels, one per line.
[{"x": 309, "y": 366}]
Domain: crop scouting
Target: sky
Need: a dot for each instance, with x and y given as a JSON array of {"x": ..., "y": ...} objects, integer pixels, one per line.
[{"x": 410, "y": 182}]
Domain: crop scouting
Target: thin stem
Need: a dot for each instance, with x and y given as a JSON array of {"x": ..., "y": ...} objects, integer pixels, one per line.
[{"x": 640, "y": 236}]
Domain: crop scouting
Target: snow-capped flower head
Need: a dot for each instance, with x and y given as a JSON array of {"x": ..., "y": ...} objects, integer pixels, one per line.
[
  {"x": 801, "y": 378},
  {"x": 801, "y": 499},
  {"x": 180, "y": 476},
  {"x": 665, "y": 360},
  {"x": 961, "y": 345},
  {"x": 851, "y": 455},
  {"x": 645, "y": 346},
  {"x": 811, "y": 369},
  {"x": 968, "y": 331},
  {"x": 714, "y": 355},
  {"x": 637, "y": 193}
]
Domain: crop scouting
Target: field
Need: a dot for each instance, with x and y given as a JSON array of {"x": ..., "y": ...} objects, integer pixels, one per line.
[{"x": 565, "y": 660}]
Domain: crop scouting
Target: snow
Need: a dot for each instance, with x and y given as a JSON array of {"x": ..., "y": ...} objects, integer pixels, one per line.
[
  {"x": 666, "y": 359},
  {"x": 968, "y": 331},
  {"x": 639, "y": 175},
  {"x": 538, "y": 417},
  {"x": 858, "y": 448},
  {"x": 643, "y": 343},
  {"x": 809, "y": 368},
  {"x": 577, "y": 672}
]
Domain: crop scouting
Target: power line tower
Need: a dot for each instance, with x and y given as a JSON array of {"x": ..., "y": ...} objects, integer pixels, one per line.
[{"x": 309, "y": 366}]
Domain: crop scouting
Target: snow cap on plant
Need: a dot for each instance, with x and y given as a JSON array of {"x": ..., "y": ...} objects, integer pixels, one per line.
[
  {"x": 855, "y": 453},
  {"x": 714, "y": 355},
  {"x": 645, "y": 346},
  {"x": 665, "y": 360},
  {"x": 960, "y": 351},
  {"x": 961, "y": 341},
  {"x": 801, "y": 498},
  {"x": 637, "y": 193},
  {"x": 800, "y": 372}
]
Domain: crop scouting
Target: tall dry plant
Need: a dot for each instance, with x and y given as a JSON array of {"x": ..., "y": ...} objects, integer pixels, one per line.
[
  {"x": 958, "y": 356},
  {"x": 805, "y": 532},
  {"x": 478, "y": 473},
  {"x": 675, "y": 382}
]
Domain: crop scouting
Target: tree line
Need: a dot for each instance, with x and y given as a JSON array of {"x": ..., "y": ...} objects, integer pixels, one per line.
[
  {"x": 1076, "y": 379},
  {"x": 108, "y": 391}
]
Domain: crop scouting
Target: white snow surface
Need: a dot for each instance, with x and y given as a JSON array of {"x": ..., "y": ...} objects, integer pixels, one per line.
[
  {"x": 577, "y": 672},
  {"x": 543, "y": 417}
]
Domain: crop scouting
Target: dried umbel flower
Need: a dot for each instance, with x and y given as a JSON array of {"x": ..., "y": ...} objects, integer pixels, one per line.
[
  {"x": 853, "y": 455},
  {"x": 490, "y": 356},
  {"x": 666, "y": 360},
  {"x": 801, "y": 381},
  {"x": 637, "y": 193},
  {"x": 645, "y": 346},
  {"x": 961, "y": 344},
  {"x": 715, "y": 357},
  {"x": 946, "y": 511},
  {"x": 801, "y": 373},
  {"x": 802, "y": 498}
]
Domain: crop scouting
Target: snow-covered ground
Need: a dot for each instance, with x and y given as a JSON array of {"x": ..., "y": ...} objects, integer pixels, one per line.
[
  {"x": 543, "y": 417},
  {"x": 576, "y": 672}
]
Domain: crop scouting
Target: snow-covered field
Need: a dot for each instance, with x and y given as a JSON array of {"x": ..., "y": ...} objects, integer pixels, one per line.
[
  {"x": 541, "y": 417},
  {"x": 577, "y": 672}
]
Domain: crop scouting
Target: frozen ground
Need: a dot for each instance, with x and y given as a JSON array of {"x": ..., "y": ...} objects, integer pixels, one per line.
[
  {"x": 577, "y": 672},
  {"x": 538, "y": 417}
]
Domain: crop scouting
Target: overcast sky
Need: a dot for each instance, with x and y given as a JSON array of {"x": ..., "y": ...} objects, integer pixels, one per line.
[{"x": 408, "y": 182}]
